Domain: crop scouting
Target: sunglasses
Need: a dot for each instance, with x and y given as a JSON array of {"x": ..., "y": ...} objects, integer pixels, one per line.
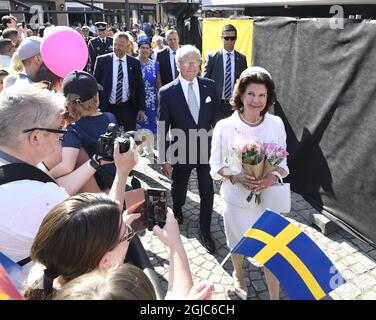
[
  {"x": 229, "y": 38},
  {"x": 60, "y": 131},
  {"x": 128, "y": 234}
]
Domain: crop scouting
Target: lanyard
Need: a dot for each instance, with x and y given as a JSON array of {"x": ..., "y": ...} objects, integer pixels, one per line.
[{"x": 10, "y": 158}]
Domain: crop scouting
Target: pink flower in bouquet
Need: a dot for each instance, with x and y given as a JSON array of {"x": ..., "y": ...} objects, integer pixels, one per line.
[
  {"x": 269, "y": 148},
  {"x": 281, "y": 153}
]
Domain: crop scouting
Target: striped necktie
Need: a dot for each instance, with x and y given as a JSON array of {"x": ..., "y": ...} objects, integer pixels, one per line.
[
  {"x": 119, "y": 83},
  {"x": 227, "y": 93}
]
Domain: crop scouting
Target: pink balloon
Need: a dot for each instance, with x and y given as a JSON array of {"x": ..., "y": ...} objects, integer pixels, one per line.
[{"x": 64, "y": 50}]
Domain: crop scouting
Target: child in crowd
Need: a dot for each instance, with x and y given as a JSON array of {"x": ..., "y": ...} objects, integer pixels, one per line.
[{"x": 87, "y": 124}]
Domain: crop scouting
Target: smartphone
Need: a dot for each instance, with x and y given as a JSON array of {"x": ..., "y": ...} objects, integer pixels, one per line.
[
  {"x": 135, "y": 202},
  {"x": 156, "y": 207}
]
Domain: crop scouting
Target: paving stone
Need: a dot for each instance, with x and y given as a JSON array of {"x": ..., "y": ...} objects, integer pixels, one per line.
[
  {"x": 198, "y": 260},
  {"x": 255, "y": 276},
  {"x": 204, "y": 274},
  {"x": 348, "y": 275},
  {"x": 259, "y": 285},
  {"x": 371, "y": 295},
  {"x": 352, "y": 257},
  {"x": 367, "y": 262},
  {"x": 263, "y": 295},
  {"x": 348, "y": 291},
  {"x": 363, "y": 246},
  {"x": 365, "y": 281},
  {"x": 358, "y": 268}
]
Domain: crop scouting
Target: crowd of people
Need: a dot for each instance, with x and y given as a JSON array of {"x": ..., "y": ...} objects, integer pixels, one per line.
[{"x": 63, "y": 216}]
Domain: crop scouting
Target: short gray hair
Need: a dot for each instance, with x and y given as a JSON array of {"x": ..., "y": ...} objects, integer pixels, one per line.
[
  {"x": 184, "y": 50},
  {"x": 27, "y": 107},
  {"x": 171, "y": 31},
  {"x": 121, "y": 34}
]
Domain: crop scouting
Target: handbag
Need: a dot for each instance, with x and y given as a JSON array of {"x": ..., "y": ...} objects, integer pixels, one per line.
[{"x": 277, "y": 197}]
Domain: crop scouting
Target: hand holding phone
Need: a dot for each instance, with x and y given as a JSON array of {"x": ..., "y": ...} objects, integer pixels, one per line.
[
  {"x": 151, "y": 204},
  {"x": 135, "y": 202}
]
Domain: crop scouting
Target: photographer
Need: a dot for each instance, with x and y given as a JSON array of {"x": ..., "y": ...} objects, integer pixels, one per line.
[
  {"x": 30, "y": 128},
  {"x": 88, "y": 123},
  {"x": 89, "y": 232}
]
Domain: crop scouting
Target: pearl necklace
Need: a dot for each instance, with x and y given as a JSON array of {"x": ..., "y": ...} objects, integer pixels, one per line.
[{"x": 251, "y": 124}]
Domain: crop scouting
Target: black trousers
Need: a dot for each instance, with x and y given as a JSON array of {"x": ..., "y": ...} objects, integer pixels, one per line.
[
  {"x": 179, "y": 186},
  {"x": 225, "y": 109},
  {"x": 125, "y": 114}
]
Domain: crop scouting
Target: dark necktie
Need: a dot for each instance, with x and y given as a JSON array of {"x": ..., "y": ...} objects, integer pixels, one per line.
[
  {"x": 119, "y": 83},
  {"x": 176, "y": 70},
  {"x": 227, "y": 93}
]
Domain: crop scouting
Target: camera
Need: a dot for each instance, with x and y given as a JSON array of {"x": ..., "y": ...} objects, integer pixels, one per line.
[{"x": 105, "y": 143}]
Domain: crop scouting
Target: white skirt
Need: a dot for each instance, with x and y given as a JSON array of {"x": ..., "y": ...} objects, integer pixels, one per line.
[{"x": 238, "y": 220}]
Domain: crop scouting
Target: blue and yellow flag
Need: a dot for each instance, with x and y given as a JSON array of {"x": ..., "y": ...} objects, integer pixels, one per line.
[
  {"x": 302, "y": 268},
  {"x": 13, "y": 269},
  {"x": 10, "y": 276}
]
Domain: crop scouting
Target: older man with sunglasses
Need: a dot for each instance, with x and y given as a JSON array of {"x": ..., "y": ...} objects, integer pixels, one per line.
[
  {"x": 224, "y": 67},
  {"x": 31, "y": 124}
]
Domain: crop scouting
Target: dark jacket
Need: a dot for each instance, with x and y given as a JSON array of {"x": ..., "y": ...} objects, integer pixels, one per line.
[
  {"x": 174, "y": 113},
  {"x": 98, "y": 48},
  {"x": 214, "y": 68},
  {"x": 103, "y": 74}
]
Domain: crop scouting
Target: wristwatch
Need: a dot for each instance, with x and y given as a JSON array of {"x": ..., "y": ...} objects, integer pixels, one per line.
[{"x": 95, "y": 163}]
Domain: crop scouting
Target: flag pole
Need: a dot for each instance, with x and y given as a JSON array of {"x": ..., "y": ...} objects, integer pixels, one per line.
[{"x": 219, "y": 268}]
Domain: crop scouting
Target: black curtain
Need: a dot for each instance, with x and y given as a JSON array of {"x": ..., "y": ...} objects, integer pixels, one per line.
[{"x": 326, "y": 87}]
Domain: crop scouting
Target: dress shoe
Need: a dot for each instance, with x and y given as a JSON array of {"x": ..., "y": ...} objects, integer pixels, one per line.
[
  {"x": 208, "y": 242},
  {"x": 239, "y": 287},
  {"x": 179, "y": 218}
]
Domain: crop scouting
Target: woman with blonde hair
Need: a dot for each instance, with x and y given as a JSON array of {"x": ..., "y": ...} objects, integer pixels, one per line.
[
  {"x": 87, "y": 123},
  {"x": 16, "y": 63}
]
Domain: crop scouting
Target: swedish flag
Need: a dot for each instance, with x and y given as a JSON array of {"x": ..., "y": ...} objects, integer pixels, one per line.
[
  {"x": 302, "y": 268},
  {"x": 9, "y": 273}
]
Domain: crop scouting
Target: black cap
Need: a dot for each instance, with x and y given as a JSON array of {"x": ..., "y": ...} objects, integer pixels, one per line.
[
  {"x": 101, "y": 25},
  {"x": 82, "y": 84}
]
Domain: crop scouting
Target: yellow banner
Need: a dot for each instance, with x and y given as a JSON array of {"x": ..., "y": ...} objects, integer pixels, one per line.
[{"x": 211, "y": 37}]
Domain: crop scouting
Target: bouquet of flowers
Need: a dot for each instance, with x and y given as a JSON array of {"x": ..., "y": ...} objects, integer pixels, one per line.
[{"x": 258, "y": 160}]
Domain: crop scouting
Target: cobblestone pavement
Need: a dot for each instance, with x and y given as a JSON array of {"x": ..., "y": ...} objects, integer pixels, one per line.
[{"x": 354, "y": 259}]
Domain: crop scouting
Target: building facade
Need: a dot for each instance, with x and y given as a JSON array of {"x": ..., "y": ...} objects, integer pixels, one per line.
[{"x": 61, "y": 12}]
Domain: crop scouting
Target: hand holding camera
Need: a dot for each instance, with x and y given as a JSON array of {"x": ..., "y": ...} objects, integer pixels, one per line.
[
  {"x": 170, "y": 234},
  {"x": 105, "y": 143},
  {"x": 125, "y": 162}
]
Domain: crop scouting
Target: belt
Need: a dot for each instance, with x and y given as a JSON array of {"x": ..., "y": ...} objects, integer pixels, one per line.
[{"x": 119, "y": 104}]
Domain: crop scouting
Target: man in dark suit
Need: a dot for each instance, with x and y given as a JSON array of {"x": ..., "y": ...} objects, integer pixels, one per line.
[
  {"x": 123, "y": 87},
  {"x": 101, "y": 44},
  {"x": 188, "y": 107},
  {"x": 166, "y": 58},
  {"x": 224, "y": 67}
]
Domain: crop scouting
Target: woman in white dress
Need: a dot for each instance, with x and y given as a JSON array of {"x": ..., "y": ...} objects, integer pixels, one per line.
[{"x": 252, "y": 96}]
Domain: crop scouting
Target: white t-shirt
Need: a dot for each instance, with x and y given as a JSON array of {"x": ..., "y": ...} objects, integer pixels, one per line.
[{"x": 23, "y": 205}]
